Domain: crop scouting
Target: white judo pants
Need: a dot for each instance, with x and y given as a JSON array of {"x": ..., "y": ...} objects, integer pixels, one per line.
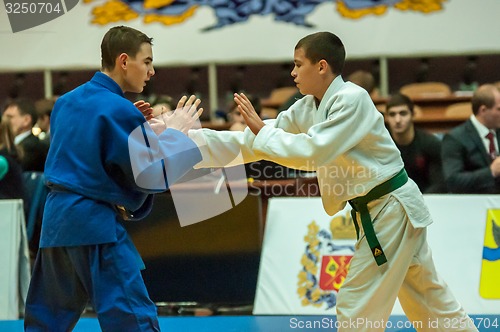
[{"x": 369, "y": 291}]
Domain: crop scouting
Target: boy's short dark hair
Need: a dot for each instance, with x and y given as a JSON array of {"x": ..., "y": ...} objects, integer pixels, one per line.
[
  {"x": 118, "y": 40},
  {"x": 399, "y": 99},
  {"x": 324, "y": 45}
]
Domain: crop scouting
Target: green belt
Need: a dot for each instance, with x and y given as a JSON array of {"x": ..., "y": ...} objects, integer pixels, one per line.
[{"x": 360, "y": 204}]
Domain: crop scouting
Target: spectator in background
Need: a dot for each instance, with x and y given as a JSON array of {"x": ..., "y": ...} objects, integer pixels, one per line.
[
  {"x": 43, "y": 109},
  {"x": 286, "y": 105},
  {"x": 235, "y": 117},
  {"x": 420, "y": 151},
  {"x": 469, "y": 82},
  {"x": 162, "y": 104},
  {"x": 11, "y": 180},
  {"x": 365, "y": 80},
  {"x": 497, "y": 84},
  {"x": 470, "y": 151},
  {"x": 22, "y": 116},
  {"x": 236, "y": 120},
  {"x": 260, "y": 169}
]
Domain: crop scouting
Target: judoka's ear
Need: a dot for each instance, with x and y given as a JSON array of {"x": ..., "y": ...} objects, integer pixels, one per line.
[
  {"x": 122, "y": 60},
  {"x": 323, "y": 66}
]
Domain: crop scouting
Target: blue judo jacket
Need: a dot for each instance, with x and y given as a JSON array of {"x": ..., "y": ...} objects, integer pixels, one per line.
[{"x": 94, "y": 157}]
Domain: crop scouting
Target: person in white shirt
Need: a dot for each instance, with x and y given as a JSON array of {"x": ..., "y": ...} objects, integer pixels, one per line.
[{"x": 336, "y": 131}]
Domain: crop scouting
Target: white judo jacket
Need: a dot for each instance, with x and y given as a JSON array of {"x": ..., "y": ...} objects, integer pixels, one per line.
[{"x": 343, "y": 139}]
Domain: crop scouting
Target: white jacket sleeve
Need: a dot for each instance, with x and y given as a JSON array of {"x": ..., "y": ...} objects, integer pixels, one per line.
[
  {"x": 221, "y": 148},
  {"x": 347, "y": 122}
]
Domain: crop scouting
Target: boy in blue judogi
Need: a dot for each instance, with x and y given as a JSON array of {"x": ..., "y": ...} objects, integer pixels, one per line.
[{"x": 97, "y": 173}]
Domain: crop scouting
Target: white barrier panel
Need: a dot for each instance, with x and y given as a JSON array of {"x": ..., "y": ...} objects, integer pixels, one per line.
[
  {"x": 14, "y": 259},
  {"x": 305, "y": 254}
]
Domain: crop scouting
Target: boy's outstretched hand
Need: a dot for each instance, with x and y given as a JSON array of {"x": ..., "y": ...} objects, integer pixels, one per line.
[
  {"x": 145, "y": 109},
  {"x": 250, "y": 116},
  {"x": 183, "y": 118},
  {"x": 185, "y": 115}
]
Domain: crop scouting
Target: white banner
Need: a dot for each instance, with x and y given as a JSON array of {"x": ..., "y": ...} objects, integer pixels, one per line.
[
  {"x": 305, "y": 254},
  {"x": 190, "y": 32},
  {"x": 14, "y": 259}
]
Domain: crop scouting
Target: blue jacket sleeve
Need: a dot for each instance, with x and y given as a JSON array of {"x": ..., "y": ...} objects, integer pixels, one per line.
[
  {"x": 158, "y": 161},
  {"x": 141, "y": 160}
]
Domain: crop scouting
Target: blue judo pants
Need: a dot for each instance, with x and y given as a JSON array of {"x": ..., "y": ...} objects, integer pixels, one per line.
[{"x": 65, "y": 279}]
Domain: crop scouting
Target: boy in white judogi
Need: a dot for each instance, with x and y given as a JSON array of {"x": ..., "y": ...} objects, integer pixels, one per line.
[{"x": 336, "y": 131}]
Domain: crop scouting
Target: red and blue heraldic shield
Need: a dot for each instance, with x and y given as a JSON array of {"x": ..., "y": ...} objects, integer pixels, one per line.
[{"x": 333, "y": 271}]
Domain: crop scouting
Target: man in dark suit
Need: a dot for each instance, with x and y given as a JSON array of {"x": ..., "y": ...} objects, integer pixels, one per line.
[
  {"x": 22, "y": 116},
  {"x": 470, "y": 151}
]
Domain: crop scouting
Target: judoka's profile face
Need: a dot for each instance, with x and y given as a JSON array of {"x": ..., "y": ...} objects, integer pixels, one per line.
[
  {"x": 399, "y": 119},
  {"x": 139, "y": 69},
  {"x": 305, "y": 74}
]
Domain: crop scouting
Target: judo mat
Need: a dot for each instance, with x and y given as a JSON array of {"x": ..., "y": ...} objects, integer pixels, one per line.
[{"x": 260, "y": 324}]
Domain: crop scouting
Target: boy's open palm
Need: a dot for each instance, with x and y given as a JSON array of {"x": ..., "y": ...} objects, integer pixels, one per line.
[
  {"x": 250, "y": 116},
  {"x": 184, "y": 116}
]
